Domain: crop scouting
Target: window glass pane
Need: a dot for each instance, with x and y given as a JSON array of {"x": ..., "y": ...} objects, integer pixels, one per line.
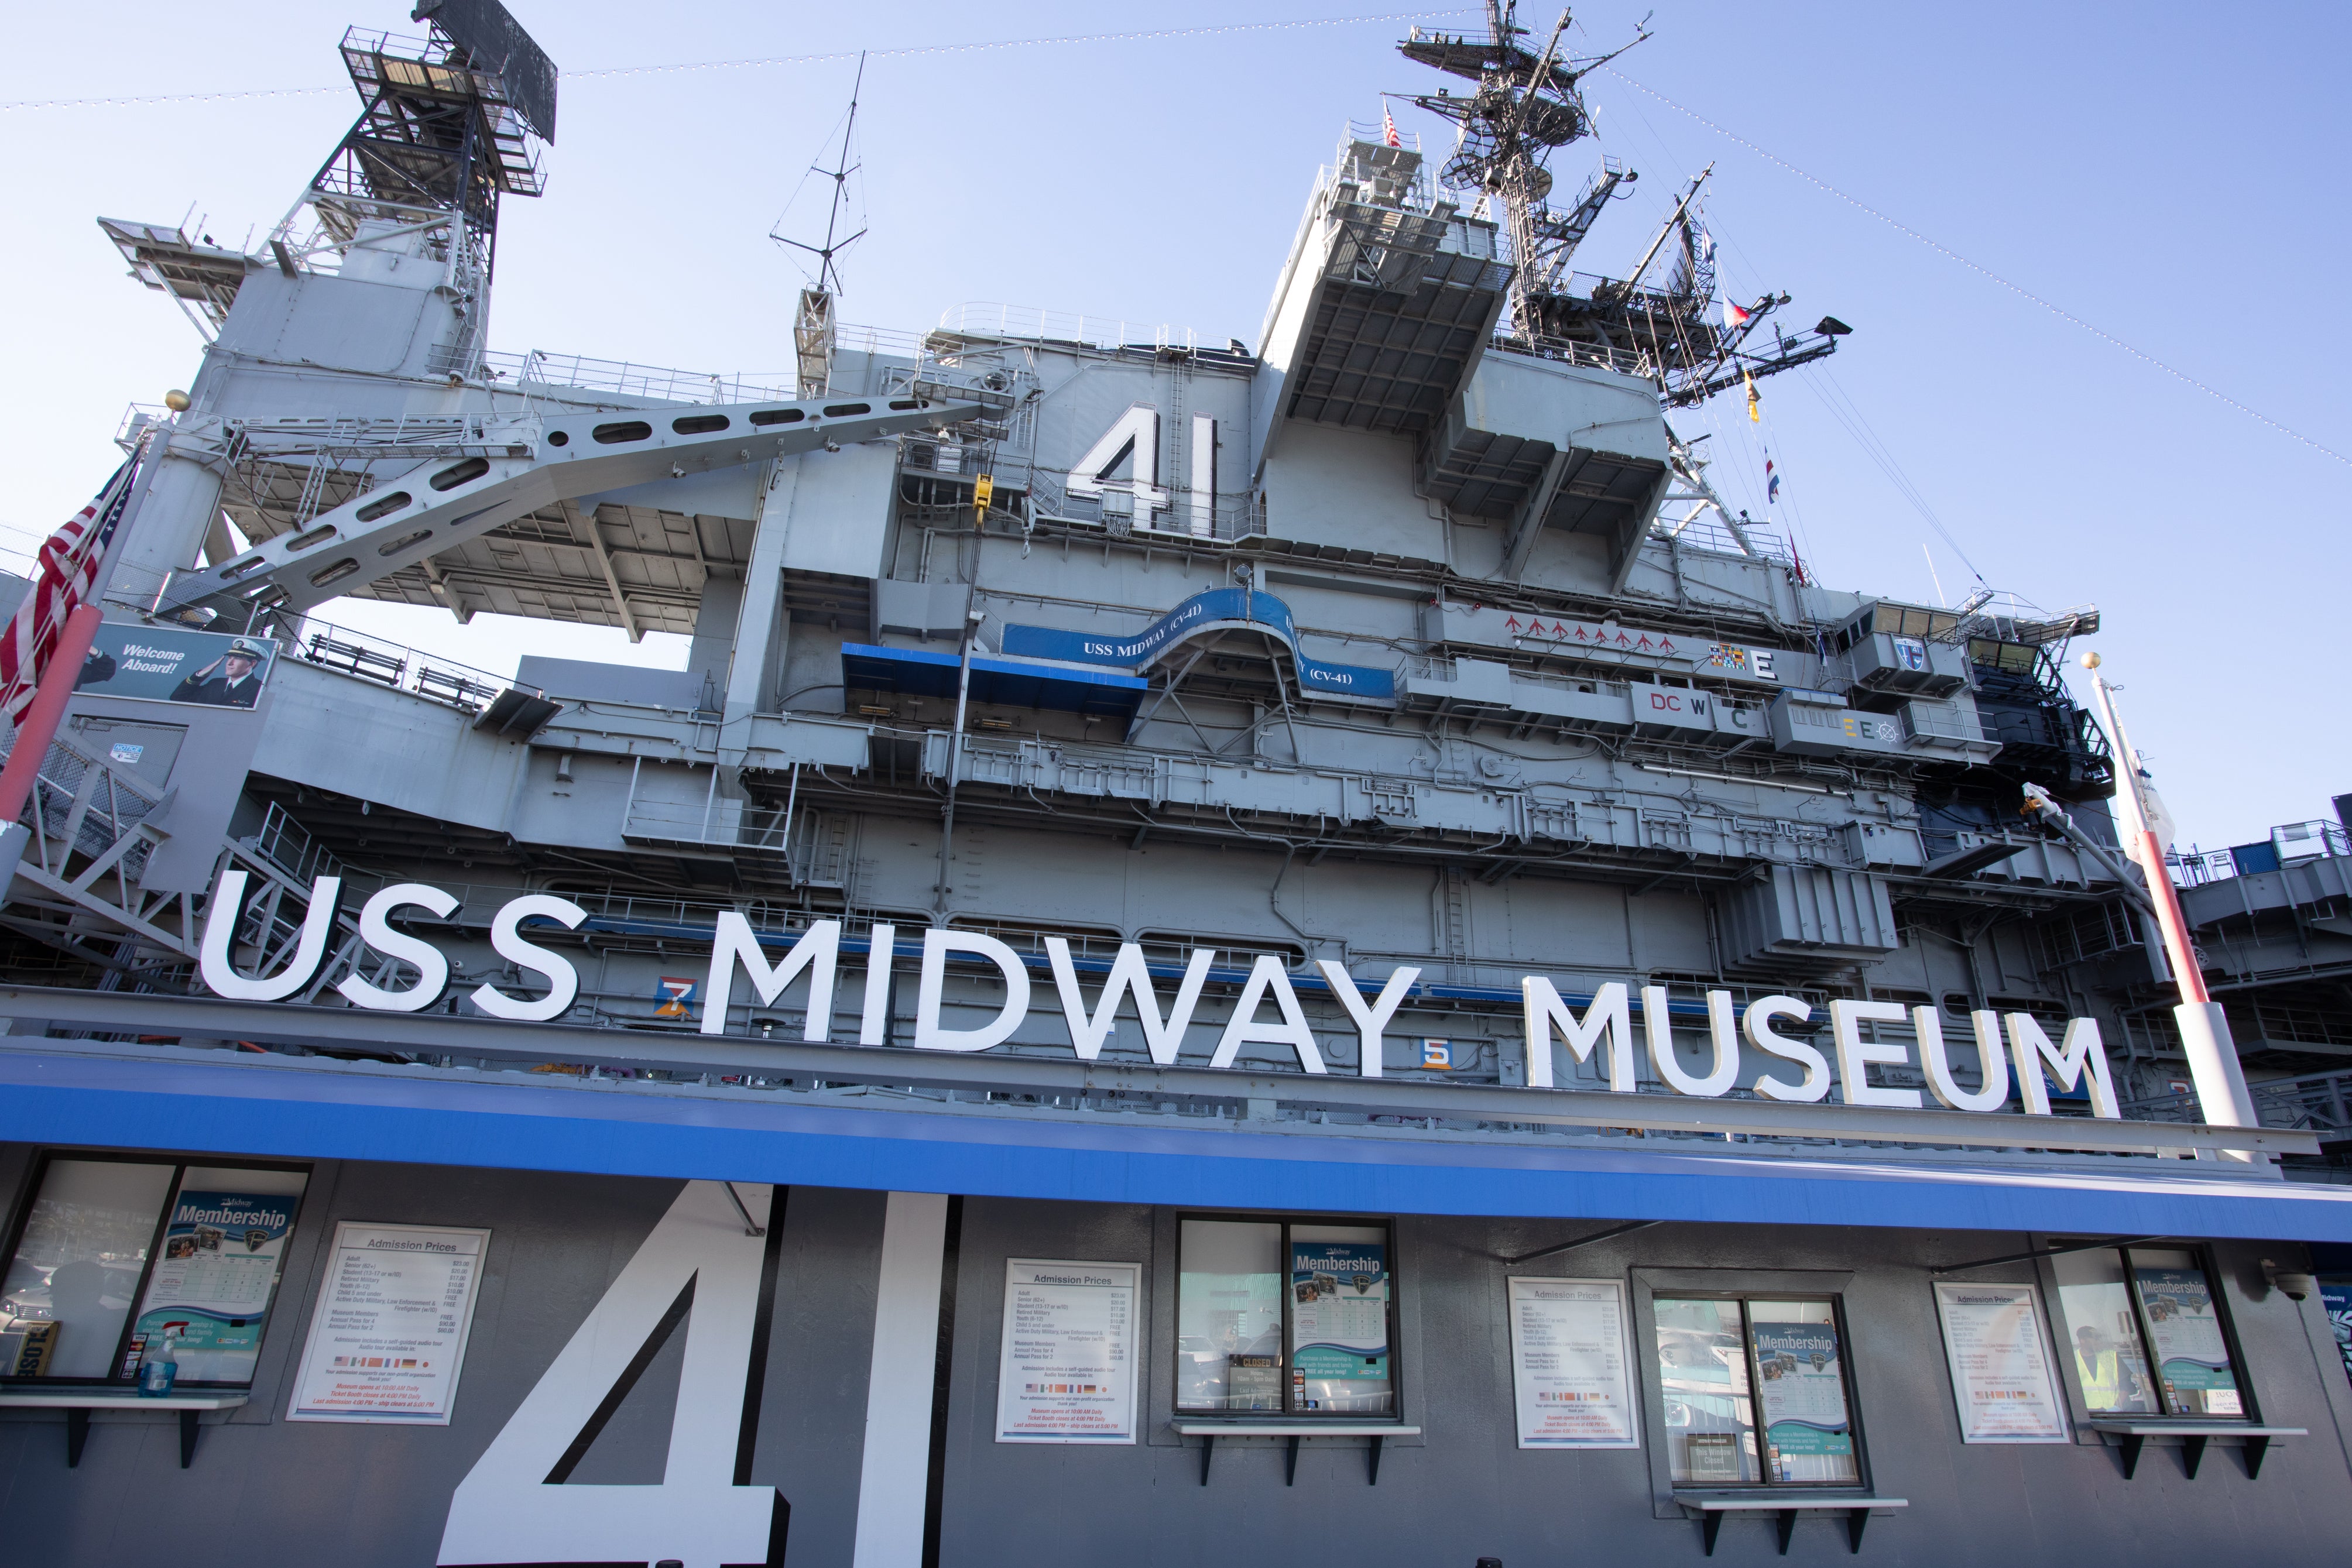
[
  {"x": 1801, "y": 1384},
  {"x": 84, "y": 1248},
  {"x": 2192, "y": 1359},
  {"x": 1703, "y": 1375},
  {"x": 1340, "y": 1320},
  {"x": 2103, "y": 1336},
  {"x": 210, "y": 1292},
  {"x": 1229, "y": 1316}
]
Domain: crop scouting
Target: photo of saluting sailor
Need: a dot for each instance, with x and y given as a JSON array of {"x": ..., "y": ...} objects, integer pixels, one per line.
[{"x": 230, "y": 681}]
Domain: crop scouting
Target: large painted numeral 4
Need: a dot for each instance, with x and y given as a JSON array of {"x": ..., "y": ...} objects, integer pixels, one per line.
[
  {"x": 514, "y": 1505},
  {"x": 1136, "y": 436}
]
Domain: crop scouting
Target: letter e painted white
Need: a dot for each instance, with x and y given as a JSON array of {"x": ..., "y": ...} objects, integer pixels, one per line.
[
  {"x": 1370, "y": 1021},
  {"x": 2084, "y": 1052},
  {"x": 1856, "y": 1056},
  {"x": 506, "y": 939},
  {"x": 938, "y": 942},
  {"x": 376, "y": 930},
  {"x": 1757, "y": 1025},
  {"x": 220, "y": 930},
  {"x": 1266, "y": 975},
  {"x": 1609, "y": 1013},
  {"x": 1938, "y": 1067}
]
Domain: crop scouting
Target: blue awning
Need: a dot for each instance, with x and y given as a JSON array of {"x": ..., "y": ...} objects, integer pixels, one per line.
[
  {"x": 1012, "y": 683},
  {"x": 315, "y": 1108}
]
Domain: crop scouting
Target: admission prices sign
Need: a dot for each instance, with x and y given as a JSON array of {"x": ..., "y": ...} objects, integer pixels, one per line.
[
  {"x": 388, "y": 1335},
  {"x": 1065, "y": 1369},
  {"x": 1571, "y": 1372},
  {"x": 1999, "y": 1351}
]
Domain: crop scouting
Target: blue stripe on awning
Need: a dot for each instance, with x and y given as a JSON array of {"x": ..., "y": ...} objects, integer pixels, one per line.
[
  {"x": 1012, "y": 682},
  {"x": 319, "y": 1111}
]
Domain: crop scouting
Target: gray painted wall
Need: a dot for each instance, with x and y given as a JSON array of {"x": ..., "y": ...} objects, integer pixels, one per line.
[{"x": 263, "y": 1491}]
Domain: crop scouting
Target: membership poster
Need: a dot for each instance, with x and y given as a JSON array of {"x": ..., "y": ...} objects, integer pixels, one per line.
[
  {"x": 1569, "y": 1366},
  {"x": 2000, "y": 1356},
  {"x": 1066, "y": 1372},
  {"x": 210, "y": 1292},
  {"x": 1340, "y": 1326},
  {"x": 1801, "y": 1386},
  {"x": 388, "y": 1335},
  {"x": 2193, "y": 1362}
]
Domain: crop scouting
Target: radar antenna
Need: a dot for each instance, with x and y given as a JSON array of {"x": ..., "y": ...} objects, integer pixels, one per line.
[
  {"x": 813, "y": 324},
  {"x": 1527, "y": 105}
]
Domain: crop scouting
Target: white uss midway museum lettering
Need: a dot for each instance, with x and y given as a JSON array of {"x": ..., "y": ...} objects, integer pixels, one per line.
[{"x": 1606, "y": 1026}]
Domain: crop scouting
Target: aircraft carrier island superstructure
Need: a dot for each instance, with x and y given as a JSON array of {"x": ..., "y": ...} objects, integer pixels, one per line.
[{"x": 1127, "y": 794}]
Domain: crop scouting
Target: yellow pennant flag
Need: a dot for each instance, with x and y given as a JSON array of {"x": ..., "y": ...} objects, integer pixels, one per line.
[{"x": 1755, "y": 403}]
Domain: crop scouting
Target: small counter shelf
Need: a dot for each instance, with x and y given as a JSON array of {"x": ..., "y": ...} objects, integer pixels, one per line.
[
  {"x": 1297, "y": 1431},
  {"x": 2133, "y": 1435},
  {"x": 78, "y": 1404},
  {"x": 1785, "y": 1503}
]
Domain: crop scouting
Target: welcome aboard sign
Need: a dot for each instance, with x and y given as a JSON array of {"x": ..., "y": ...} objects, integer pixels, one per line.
[{"x": 1605, "y": 1029}]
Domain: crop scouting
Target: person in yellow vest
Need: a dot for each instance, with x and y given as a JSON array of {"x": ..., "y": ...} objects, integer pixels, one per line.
[{"x": 2108, "y": 1383}]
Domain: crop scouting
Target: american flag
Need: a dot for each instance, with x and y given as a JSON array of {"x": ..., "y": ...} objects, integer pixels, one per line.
[
  {"x": 1388, "y": 128},
  {"x": 67, "y": 575}
]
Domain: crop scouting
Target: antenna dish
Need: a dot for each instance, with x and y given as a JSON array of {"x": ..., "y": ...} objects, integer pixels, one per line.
[{"x": 495, "y": 42}]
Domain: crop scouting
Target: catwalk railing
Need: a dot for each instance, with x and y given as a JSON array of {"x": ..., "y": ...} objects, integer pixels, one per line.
[
  {"x": 394, "y": 664},
  {"x": 2290, "y": 843},
  {"x": 2317, "y": 1103}
]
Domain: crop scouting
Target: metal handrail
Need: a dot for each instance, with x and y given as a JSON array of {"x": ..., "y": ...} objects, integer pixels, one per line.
[
  {"x": 989, "y": 319},
  {"x": 449, "y": 682},
  {"x": 2292, "y": 843}
]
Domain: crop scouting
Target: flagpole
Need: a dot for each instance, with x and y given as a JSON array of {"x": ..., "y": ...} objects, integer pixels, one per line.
[
  {"x": 38, "y": 729},
  {"x": 146, "y": 453},
  {"x": 2205, "y": 1038}
]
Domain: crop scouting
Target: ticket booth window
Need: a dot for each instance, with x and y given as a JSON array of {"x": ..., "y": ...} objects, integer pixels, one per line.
[
  {"x": 1755, "y": 1392},
  {"x": 2146, "y": 1334},
  {"x": 112, "y": 1259},
  {"x": 1285, "y": 1317}
]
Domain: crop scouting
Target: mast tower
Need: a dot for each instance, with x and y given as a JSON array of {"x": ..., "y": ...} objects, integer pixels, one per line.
[
  {"x": 1527, "y": 105},
  {"x": 448, "y": 124}
]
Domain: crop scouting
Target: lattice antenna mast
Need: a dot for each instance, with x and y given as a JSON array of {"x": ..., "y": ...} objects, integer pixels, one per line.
[
  {"x": 448, "y": 124},
  {"x": 1526, "y": 105},
  {"x": 828, "y": 275},
  {"x": 813, "y": 326}
]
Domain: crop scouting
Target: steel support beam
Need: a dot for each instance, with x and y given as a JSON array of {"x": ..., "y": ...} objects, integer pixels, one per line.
[
  {"x": 1529, "y": 527},
  {"x": 427, "y": 509}
]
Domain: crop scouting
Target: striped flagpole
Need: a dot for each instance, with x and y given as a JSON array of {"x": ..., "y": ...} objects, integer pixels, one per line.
[
  {"x": 66, "y": 576},
  {"x": 48, "y": 636}
]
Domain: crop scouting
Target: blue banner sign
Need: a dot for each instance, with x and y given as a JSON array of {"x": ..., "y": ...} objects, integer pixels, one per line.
[{"x": 1214, "y": 609}]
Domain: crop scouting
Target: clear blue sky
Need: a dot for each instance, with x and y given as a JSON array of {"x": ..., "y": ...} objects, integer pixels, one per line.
[{"x": 2169, "y": 171}]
